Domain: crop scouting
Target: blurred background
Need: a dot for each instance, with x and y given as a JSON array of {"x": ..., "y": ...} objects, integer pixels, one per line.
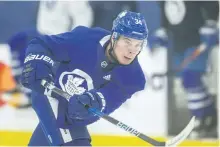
[{"x": 180, "y": 63}]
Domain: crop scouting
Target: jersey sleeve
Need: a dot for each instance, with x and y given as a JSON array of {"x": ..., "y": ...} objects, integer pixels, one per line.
[{"x": 56, "y": 46}]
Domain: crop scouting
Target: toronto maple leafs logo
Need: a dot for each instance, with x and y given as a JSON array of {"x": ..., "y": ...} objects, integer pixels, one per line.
[
  {"x": 72, "y": 85},
  {"x": 75, "y": 82}
]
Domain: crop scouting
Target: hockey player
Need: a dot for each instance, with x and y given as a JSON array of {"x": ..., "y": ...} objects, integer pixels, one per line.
[
  {"x": 94, "y": 65},
  {"x": 185, "y": 26}
]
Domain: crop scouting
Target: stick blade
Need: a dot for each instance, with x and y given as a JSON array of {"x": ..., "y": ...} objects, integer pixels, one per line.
[{"x": 182, "y": 135}]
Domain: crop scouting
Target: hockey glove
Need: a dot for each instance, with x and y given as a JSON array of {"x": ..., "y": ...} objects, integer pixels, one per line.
[
  {"x": 77, "y": 103},
  {"x": 209, "y": 34},
  {"x": 36, "y": 67}
]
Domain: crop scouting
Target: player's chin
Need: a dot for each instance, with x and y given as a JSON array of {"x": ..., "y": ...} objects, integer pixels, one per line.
[{"x": 126, "y": 61}]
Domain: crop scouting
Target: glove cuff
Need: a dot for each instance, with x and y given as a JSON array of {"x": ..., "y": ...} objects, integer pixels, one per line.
[{"x": 97, "y": 97}]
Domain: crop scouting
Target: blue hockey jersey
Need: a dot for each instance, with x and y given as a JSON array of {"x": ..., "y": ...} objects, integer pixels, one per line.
[{"x": 83, "y": 66}]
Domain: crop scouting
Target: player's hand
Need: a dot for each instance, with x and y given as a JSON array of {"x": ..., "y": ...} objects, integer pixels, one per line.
[
  {"x": 36, "y": 67},
  {"x": 159, "y": 39},
  {"x": 209, "y": 34},
  {"x": 77, "y": 103}
]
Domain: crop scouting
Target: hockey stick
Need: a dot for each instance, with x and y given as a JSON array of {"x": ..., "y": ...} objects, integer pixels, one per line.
[
  {"x": 185, "y": 62},
  {"x": 172, "y": 142},
  {"x": 192, "y": 56}
]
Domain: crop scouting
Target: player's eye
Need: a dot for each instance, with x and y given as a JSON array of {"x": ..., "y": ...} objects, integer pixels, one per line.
[{"x": 127, "y": 42}]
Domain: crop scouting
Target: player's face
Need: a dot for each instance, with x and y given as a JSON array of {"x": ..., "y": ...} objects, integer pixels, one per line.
[{"x": 126, "y": 49}]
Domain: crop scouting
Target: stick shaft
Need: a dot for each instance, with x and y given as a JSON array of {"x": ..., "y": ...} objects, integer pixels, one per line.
[{"x": 102, "y": 115}]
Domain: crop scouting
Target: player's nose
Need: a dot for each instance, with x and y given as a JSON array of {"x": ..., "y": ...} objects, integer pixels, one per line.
[{"x": 132, "y": 50}]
